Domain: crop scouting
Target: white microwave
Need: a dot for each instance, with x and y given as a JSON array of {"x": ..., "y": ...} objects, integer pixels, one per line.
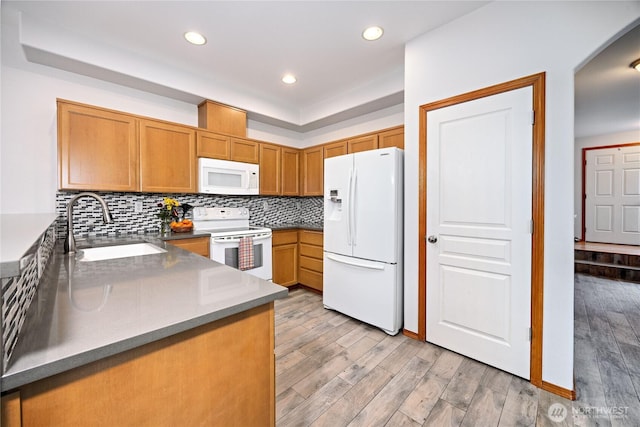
[{"x": 227, "y": 177}]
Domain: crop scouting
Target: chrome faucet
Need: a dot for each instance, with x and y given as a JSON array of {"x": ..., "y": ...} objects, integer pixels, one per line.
[{"x": 70, "y": 241}]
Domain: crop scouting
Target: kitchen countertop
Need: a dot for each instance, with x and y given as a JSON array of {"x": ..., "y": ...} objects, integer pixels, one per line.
[
  {"x": 314, "y": 226},
  {"x": 186, "y": 235},
  {"x": 87, "y": 311},
  {"x": 18, "y": 233}
]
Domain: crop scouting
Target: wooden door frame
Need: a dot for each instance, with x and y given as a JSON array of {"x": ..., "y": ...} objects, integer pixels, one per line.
[
  {"x": 584, "y": 179},
  {"x": 537, "y": 82}
]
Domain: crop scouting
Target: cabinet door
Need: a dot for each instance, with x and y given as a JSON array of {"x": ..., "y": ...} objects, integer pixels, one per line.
[
  {"x": 312, "y": 171},
  {"x": 392, "y": 138},
  {"x": 285, "y": 264},
  {"x": 213, "y": 145},
  {"x": 10, "y": 415},
  {"x": 285, "y": 257},
  {"x": 244, "y": 150},
  {"x": 222, "y": 118},
  {"x": 290, "y": 172},
  {"x": 364, "y": 143},
  {"x": 167, "y": 157},
  {"x": 335, "y": 149},
  {"x": 197, "y": 245},
  {"x": 97, "y": 149},
  {"x": 270, "y": 169}
]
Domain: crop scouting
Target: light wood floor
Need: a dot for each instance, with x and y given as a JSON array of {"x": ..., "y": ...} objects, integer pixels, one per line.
[{"x": 334, "y": 371}]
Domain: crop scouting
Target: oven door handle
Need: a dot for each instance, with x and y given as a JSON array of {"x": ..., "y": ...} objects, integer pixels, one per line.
[{"x": 222, "y": 240}]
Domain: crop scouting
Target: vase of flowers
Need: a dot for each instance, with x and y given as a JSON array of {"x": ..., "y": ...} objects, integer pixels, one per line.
[{"x": 168, "y": 213}]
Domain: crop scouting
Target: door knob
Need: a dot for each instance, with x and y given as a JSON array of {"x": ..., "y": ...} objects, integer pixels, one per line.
[{"x": 432, "y": 239}]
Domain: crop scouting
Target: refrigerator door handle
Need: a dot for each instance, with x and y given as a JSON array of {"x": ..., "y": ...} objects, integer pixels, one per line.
[
  {"x": 349, "y": 211},
  {"x": 356, "y": 264},
  {"x": 354, "y": 231}
]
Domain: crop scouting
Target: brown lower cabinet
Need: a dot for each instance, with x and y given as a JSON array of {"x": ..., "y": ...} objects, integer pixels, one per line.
[
  {"x": 197, "y": 245},
  {"x": 285, "y": 257},
  {"x": 310, "y": 259},
  {"x": 221, "y": 373},
  {"x": 297, "y": 258}
]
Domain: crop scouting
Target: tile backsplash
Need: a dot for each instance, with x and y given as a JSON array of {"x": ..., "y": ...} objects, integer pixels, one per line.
[
  {"x": 18, "y": 292},
  {"x": 262, "y": 210}
]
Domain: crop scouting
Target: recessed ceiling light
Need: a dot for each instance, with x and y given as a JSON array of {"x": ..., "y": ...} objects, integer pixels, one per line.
[
  {"x": 372, "y": 33},
  {"x": 635, "y": 64},
  {"x": 195, "y": 38},
  {"x": 289, "y": 79}
]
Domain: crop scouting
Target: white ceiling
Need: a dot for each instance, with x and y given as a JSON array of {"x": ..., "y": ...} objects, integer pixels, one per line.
[{"x": 251, "y": 44}]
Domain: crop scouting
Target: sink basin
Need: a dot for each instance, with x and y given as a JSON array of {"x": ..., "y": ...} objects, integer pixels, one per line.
[{"x": 118, "y": 251}]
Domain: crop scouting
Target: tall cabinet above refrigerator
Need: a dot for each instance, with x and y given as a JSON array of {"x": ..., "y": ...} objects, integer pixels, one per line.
[{"x": 363, "y": 210}]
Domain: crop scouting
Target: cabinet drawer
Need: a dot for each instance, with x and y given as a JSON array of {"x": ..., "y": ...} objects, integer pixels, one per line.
[
  {"x": 198, "y": 245},
  {"x": 311, "y": 264},
  {"x": 285, "y": 237},
  {"x": 311, "y": 237},
  {"x": 310, "y": 278},
  {"x": 311, "y": 251}
]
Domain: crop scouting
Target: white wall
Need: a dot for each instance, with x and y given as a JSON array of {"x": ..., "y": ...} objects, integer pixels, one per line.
[
  {"x": 385, "y": 118},
  {"x": 381, "y": 119},
  {"x": 500, "y": 42},
  {"x": 28, "y": 152},
  {"x": 28, "y": 156},
  {"x": 593, "y": 141}
]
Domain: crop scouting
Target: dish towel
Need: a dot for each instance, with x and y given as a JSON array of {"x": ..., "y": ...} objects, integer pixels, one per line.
[{"x": 245, "y": 253}]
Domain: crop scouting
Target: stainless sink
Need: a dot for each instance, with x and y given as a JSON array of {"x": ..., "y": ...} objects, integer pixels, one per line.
[{"x": 126, "y": 250}]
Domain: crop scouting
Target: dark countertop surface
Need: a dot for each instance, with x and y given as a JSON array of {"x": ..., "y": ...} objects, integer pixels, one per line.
[
  {"x": 314, "y": 226},
  {"x": 87, "y": 311}
]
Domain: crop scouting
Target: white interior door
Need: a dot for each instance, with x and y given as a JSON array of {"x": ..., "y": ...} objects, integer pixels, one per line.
[
  {"x": 479, "y": 210},
  {"x": 612, "y": 191}
]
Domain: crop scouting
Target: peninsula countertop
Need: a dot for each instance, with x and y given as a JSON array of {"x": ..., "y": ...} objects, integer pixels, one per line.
[{"x": 87, "y": 311}]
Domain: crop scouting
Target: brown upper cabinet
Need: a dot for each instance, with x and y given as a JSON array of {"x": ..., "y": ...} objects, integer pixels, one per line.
[
  {"x": 279, "y": 170},
  {"x": 290, "y": 171},
  {"x": 334, "y": 149},
  {"x": 270, "y": 169},
  {"x": 363, "y": 143},
  {"x": 312, "y": 171},
  {"x": 106, "y": 150},
  {"x": 213, "y": 145},
  {"x": 167, "y": 157},
  {"x": 245, "y": 150},
  {"x": 100, "y": 149},
  {"x": 222, "y": 118},
  {"x": 97, "y": 149},
  {"x": 392, "y": 138}
]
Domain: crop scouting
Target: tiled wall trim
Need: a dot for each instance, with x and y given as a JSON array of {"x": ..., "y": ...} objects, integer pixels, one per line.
[
  {"x": 18, "y": 292},
  {"x": 262, "y": 210}
]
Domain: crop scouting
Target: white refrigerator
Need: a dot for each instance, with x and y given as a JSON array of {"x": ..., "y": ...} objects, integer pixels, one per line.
[{"x": 363, "y": 236}]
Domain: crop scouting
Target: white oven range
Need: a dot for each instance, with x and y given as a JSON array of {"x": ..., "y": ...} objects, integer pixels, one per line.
[{"x": 227, "y": 227}]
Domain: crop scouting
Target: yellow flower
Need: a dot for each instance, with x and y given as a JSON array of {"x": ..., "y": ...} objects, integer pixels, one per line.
[{"x": 171, "y": 203}]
